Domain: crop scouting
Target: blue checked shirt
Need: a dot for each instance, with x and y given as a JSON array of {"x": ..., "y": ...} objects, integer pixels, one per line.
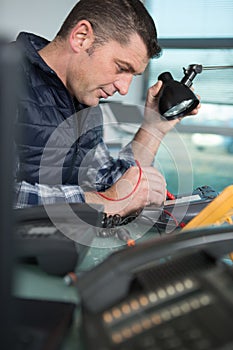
[{"x": 27, "y": 194}]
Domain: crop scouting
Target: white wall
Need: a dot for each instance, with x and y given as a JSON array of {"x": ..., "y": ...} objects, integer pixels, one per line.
[{"x": 44, "y": 17}]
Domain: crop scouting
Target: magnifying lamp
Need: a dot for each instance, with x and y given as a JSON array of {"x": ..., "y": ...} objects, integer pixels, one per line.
[{"x": 176, "y": 99}]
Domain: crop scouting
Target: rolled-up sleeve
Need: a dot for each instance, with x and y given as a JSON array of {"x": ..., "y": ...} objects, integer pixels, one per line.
[{"x": 29, "y": 195}]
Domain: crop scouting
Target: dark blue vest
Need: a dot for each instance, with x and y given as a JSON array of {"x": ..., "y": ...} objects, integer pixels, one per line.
[{"x": 52, "y": 135}]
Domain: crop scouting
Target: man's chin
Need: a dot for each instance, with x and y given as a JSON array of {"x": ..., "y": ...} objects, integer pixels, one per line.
[
  {"x": 90, "y": 102},
  {"x": 95, "y": 104}
]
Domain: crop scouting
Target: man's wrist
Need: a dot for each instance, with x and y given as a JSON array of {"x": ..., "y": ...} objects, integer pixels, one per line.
[
  {"x": 92, "y": 197},
  {"x": 110, "y": 208},
  {"x": 153, "y": 130}
]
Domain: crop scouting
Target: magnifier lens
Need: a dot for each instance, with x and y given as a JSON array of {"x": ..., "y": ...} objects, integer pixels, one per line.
[{"x": 178, "y": 108}]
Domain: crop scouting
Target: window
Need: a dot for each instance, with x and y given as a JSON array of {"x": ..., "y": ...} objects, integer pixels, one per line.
[{"x": 200, "y": 152}]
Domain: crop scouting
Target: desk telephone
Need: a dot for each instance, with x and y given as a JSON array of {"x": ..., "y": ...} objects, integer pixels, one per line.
[{"x": 140, "y": 301}]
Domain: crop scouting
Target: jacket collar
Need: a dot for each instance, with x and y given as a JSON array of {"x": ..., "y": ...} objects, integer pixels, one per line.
[{"x": 30, "y": 44}]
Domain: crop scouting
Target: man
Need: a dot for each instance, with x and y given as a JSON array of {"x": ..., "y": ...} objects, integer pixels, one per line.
[{"x": 99, "y": 48}]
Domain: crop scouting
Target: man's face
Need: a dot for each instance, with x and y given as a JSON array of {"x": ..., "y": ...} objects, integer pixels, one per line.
[{"x": 108, "y": 69}]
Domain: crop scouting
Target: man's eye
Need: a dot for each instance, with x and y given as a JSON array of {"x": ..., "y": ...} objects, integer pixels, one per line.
[{"x": 121, "y": 69}]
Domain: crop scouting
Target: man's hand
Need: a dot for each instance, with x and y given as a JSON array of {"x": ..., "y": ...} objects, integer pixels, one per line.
[
  {"x": 153, "y": 129},
  {"x": 151, "y": 190},
  {"x": 152, "y": 117}
]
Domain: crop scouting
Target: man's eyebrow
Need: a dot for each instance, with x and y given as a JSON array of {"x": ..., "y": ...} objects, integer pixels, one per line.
[{"x": 129, "y": 67}]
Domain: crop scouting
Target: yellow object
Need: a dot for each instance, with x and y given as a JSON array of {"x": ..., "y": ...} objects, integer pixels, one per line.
[{"x": 220, "y": 210}]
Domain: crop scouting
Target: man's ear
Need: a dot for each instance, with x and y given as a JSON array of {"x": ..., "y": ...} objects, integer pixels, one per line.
[{"x": 81, "y": 36}]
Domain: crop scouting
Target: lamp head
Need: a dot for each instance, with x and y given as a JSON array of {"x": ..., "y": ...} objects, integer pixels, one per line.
[{"x": 176, "y": 99}]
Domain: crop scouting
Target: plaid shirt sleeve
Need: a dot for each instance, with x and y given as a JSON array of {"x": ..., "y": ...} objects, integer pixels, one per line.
[
  {"x": 109, "y": 171},
  {"x": 28, "y": 195}
]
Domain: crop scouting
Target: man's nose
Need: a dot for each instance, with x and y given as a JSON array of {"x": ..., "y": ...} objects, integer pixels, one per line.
[{"x": 123, "y": 83}]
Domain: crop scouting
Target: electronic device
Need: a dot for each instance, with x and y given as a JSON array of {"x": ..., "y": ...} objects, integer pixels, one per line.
[
  {"x": 43, "y": 244},
  {"x": 176, "y": 213},
  {"x": 168, "y": 293},
  {"x": 220, "y": 210},
  {"x": 173, "y": 215},
  {"x": 39, "y": 240}
]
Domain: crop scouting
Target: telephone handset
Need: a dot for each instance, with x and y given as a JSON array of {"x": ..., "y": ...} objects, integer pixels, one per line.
[{"x": 184, "y": 301}]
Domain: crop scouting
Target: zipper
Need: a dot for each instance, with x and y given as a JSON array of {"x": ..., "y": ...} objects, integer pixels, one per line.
[{"x": 76, "y": 131}]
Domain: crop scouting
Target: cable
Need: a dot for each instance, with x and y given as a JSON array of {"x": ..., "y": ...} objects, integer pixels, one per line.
[
  {"x": 111, "y": 221},
  {"x": 172, "y": 216},
  {"x": 146, "y": 219},
  {"x": 128, "y": 195}
]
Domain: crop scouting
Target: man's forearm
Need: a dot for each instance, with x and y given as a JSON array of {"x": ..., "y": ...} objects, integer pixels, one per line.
[{"x": 146, "y": 144}]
